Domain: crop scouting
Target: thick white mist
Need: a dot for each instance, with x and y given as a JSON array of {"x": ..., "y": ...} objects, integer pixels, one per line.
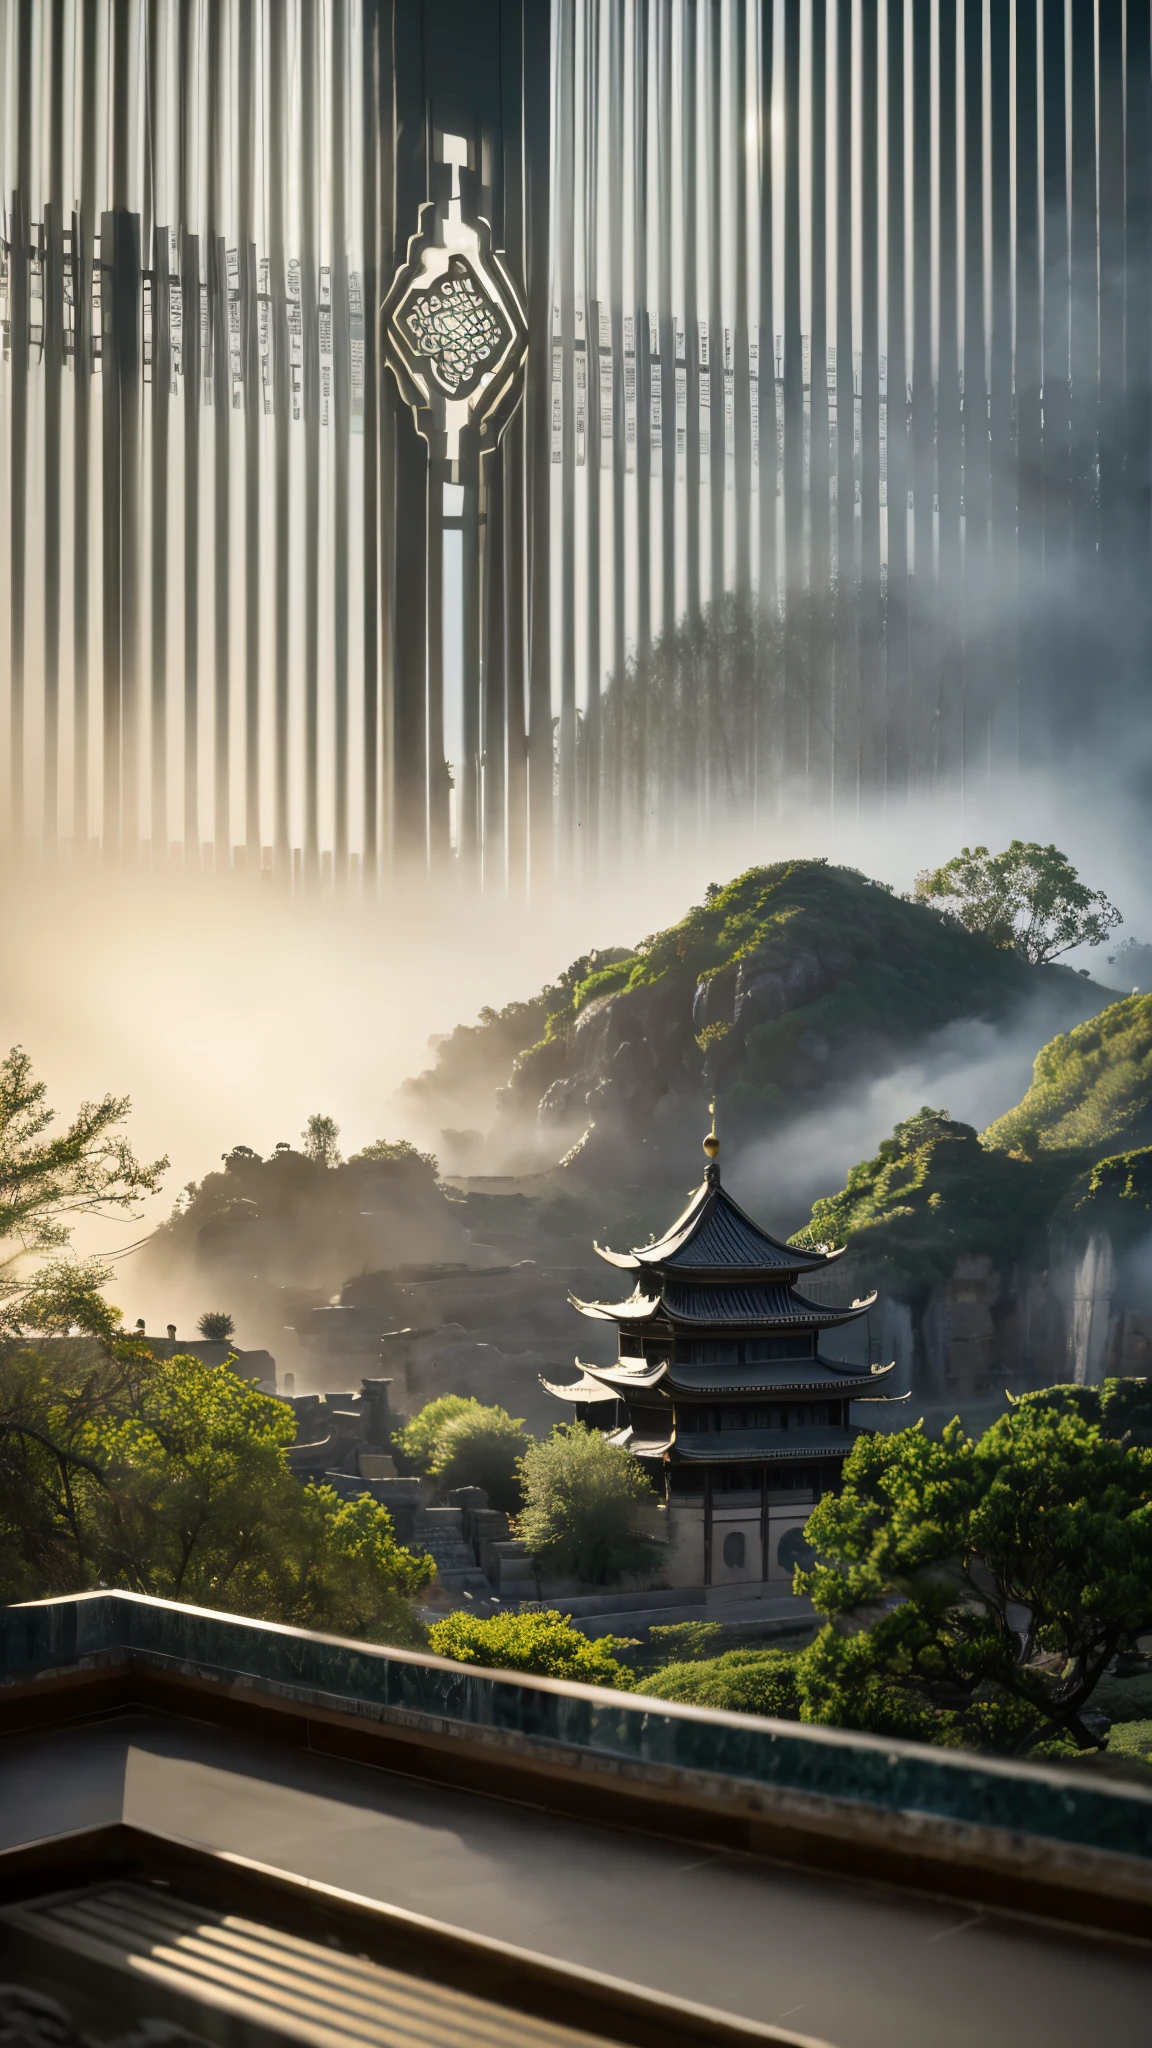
[{"x": 228, "y": 1015}]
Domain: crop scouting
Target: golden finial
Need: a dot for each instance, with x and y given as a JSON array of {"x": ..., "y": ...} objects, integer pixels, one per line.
[{"x": 712, "y": 1142}]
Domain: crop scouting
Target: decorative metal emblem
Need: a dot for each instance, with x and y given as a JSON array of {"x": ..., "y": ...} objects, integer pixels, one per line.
[
  {"x": 454, "y": 329},
  {"x": 456, "y": 325}
]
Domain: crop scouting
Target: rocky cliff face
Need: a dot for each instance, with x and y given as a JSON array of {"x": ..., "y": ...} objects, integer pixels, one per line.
[
  {"x": 1024, "y": 1254},
  {"x": 792, "y": 984}
]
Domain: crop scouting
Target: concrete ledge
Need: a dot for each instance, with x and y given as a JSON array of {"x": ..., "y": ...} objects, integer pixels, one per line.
[{"x": 1020, "y": 1837}]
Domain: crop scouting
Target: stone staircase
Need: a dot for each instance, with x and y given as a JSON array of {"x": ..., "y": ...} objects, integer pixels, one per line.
[{"x": 440, "y": 1532}]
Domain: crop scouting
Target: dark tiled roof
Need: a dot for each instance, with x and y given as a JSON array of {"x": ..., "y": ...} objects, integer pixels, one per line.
[
  {"x": 763, "y": 1446},
  {"x": 714, "y": 1233},
  {"x": 779, "y": 1376},
  {"x": 752, "y": 1305}
]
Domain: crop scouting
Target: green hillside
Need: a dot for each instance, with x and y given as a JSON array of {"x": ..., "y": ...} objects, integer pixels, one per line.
[
  {"x": 1075, "y": 1150},
  {"x": 1091, "y": 1088}
]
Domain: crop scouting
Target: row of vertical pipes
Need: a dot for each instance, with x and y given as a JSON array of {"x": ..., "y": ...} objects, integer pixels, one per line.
[
  {"x": 889, "y": 264},
  {"x": 188, "y": 431},
  {"x": 848, "y": 328}
]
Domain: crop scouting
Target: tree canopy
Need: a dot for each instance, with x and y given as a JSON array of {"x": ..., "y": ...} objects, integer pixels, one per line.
[
  {"x": 975, "y": 1591},
  {"x": 1029, "y": 897},
  {"x": 86, "y": 1169},
  {"x": 581, "y": 1497},
  {"x": 319, "y": 1140},
  {"x": 216, "y": 1325},
  {"x": 168, "y": 1477}
]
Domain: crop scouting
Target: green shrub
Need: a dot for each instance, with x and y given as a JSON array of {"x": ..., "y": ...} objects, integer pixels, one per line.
[
  {"x": 742, "y": 1681},
  {"x": 682, "y": 1641},
  {"x": 415, "y": 1444},
  {"x": 482, "y": 1447},
  {"x": 581, "y": 1494},
  {"x": 545, "y": 1643}
]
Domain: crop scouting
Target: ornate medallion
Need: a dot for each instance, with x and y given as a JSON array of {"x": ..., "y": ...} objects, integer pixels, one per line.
[
  {"x": 456, "y": 325},
  {"x": 454, "y": 329}
]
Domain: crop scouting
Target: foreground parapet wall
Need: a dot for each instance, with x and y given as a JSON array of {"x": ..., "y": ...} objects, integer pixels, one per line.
[{"x": 1021, "y": 1836}]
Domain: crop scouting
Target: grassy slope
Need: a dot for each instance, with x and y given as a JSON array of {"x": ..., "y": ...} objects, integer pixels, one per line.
[
  {"x": 853, "y": 970},
  {"x": 935, "y": 1189}
]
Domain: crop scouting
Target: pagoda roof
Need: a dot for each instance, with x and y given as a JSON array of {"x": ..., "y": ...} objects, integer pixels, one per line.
[
  {"x": 784, "y": 1376},
  {"x": 753, "y": 1305},
  {"x": 715, "y": 1236},
  {"x": 763, "y": 1446}
]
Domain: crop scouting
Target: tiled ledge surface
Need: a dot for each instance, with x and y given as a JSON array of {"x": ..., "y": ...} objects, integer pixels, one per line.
[{"x": 909, "y": 1780}]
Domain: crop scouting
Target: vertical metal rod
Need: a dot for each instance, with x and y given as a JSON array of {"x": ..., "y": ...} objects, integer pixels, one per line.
[
  {"x": 976, "y": 478},
  {"x": 536, "y": 522},
  {"x": 948, "y": 752},
  {"x": 1114, "y": 535},
  {"x": 281, "y": 451},
  {"x": 20, "y": 289},
  {"x": 309, "y": 284},
  {"x": 795, "y": 749},
  {"x": 126, "y": 288},
  {"x": 819, "y": 637},
  {"x": 341, "y": 430},
  {"x": 193, "y": 370},
  {"x": 249, "y": 67},
  {"x": 923, "y": 652},
  {"x": 845, "y": 702},
  {"x": 1084, "y": 341},
  {"x": 1029, "y": 300},
  {"x": 1138, "y": 306},
  {"x": 542, "y": 762},
  {"x": 635, "y": 747},
  {"x": 217, "y": 276},
  {"x": 157, "y": 112},
  {"x": 873, "y": 693},
  {"x": 83, "y": 227},
  {"x": 1055, "y": 471},
  {"x": 898, "y": 738},
  {"x": 1001, "y": 676},
  {"x": 588, "y": 736},
  {"x": 53, "y": 316},
  {"x": 111, "y": 533},
  {"x": 621, "y": 297}
]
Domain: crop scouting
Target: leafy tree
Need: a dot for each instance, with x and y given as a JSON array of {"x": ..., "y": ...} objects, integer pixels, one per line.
[
  {"x": 86, "y": 1169},
  {"x": 168, "y": 1477},
  {"x": 320, "y": 1140},
  {"x": 1029, "y": 897},
  {"x": 742, "y": 1681},
  {"x": 482, "y": 1447},
  {"x": 395, "y": 1152},
  {"x": 216, "y": 1325},
  {"x": 416, "y": 1444},
  {"x": 581, "y": 1494},
  {"x": 976, "y": 1591},
  {"x": 545, "y": 1643}
]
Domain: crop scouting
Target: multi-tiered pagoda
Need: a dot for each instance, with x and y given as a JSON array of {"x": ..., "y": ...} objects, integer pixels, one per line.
[{"x": 723, "y": 1390}]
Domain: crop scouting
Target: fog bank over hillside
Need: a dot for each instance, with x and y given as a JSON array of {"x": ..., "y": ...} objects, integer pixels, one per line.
[{"x": 229, "y": 1014}]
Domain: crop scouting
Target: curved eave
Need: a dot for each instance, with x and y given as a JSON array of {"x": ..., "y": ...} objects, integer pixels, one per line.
[
  {"x": 580, "y": 1391},
  {"x": 623, "y": 1380},
  {"x": 638, "y": 1308},
  {"x": 626, "y": 1260}
]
